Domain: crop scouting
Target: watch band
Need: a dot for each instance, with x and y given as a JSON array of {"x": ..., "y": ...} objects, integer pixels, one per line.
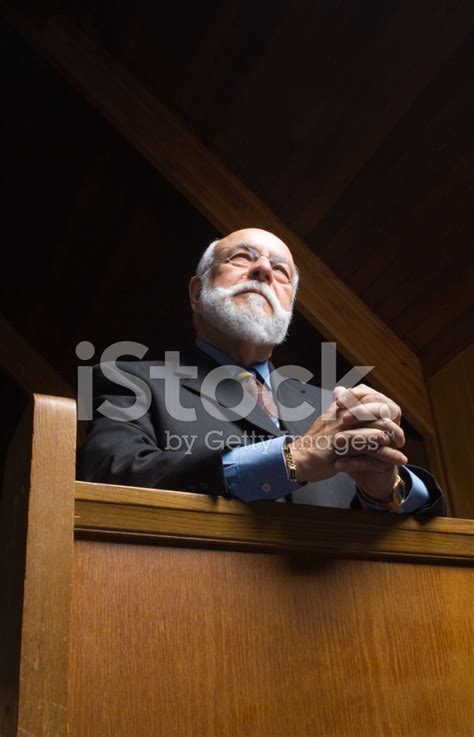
[{"x": 289, "y": 463}]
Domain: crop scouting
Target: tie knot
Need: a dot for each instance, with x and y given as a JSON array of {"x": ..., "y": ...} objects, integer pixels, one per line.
[{"x": 245, "y": 376}]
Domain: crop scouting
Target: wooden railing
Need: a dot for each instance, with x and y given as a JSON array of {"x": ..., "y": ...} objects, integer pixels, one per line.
[{"x": 197, "y": 630}]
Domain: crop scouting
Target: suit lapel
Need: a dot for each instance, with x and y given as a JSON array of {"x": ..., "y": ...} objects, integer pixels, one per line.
[{"x": 292, "y": 393}]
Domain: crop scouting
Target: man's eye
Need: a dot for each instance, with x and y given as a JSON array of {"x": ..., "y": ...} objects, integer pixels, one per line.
[
  {"x": 284, "y": 270},
  {"x": 241, "y": 256}
]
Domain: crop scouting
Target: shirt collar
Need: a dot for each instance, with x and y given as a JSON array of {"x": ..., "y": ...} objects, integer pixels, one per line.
[{"x": 262, "y": 367}]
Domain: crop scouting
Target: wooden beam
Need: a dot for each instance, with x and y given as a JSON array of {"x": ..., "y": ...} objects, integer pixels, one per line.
[
  {"x": 227, "y": 203},
  {"x": 26, "y": 367}
]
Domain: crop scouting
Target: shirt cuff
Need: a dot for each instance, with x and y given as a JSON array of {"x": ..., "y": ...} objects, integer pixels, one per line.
[
  {"x": 417, "y": 497},
  {"x": 258, "y": 471}
]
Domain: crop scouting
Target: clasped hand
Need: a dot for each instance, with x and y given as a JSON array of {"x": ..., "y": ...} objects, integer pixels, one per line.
[{"x": 359, "y": 434}]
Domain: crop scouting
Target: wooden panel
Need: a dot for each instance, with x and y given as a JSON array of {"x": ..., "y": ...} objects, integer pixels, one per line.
[
  {"x": 324, "y": 300},
  {"x": 37, "y": 546},
  {"x": 452, "y": 392},
  {"x": 171, "y": 642},
  {"x": 158, "y": 514}
]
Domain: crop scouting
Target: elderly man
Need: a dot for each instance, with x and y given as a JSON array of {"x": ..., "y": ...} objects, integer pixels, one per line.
[{"x": 221, "y": 421}]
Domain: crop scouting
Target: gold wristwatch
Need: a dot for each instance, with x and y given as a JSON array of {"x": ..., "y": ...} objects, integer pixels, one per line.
[{"x": 396, "y": 499}]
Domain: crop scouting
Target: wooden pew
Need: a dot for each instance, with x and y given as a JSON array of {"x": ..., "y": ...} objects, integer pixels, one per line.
[{"x": 140, "y": 612}]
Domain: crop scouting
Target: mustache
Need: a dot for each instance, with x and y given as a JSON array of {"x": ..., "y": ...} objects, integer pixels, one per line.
[{"x": 254, "y": 286}]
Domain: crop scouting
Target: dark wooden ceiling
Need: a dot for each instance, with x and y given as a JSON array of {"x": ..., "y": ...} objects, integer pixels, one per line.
[{"x": 352, "y": 121}]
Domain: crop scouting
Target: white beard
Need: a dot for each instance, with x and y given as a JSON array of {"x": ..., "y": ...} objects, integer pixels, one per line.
[{"x": 249, "y": 320}]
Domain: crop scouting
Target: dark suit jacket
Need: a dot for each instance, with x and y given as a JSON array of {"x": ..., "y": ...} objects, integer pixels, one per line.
[{"x": 137, "y": 452}]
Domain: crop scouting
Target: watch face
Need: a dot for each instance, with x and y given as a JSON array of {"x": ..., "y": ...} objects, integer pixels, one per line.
[{"x": 399, "y": 494}]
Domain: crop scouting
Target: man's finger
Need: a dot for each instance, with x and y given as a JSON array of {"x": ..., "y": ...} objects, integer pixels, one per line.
[
  {"x": 338, "y": 392},
  {"x": 349, "y": 397},
  {"x": 389, "y": 455},
  {"x": 392, "y": 429},
  {"x": 368, "y": 438},
  {"x": 371, "y": 412},
  {"x": 359, "y": 394},
  {"x": 357, "y": 464},
  {"x": 384, "y": 454}
]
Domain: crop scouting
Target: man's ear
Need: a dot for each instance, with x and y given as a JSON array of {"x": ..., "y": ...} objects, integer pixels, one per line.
[{"x": 195, "y": 288}]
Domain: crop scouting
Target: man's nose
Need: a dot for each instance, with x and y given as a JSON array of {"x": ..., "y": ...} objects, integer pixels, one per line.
[{"x": 261, "y": 269}]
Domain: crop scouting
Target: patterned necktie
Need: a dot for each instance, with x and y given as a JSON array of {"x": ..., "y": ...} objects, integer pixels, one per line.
[{"x": 260, "y": 393}]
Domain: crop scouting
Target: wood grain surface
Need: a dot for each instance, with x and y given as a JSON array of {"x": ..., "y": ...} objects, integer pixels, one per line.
[
  {"x": 169, "y": 642},
  {"x": 37, "y": 547}
]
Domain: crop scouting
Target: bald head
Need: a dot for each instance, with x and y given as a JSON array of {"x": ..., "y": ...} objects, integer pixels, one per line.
[{"x": 263, "y": 240}]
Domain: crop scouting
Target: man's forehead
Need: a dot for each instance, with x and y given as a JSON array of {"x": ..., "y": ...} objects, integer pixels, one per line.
[{"x": 261, "y": 239}]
